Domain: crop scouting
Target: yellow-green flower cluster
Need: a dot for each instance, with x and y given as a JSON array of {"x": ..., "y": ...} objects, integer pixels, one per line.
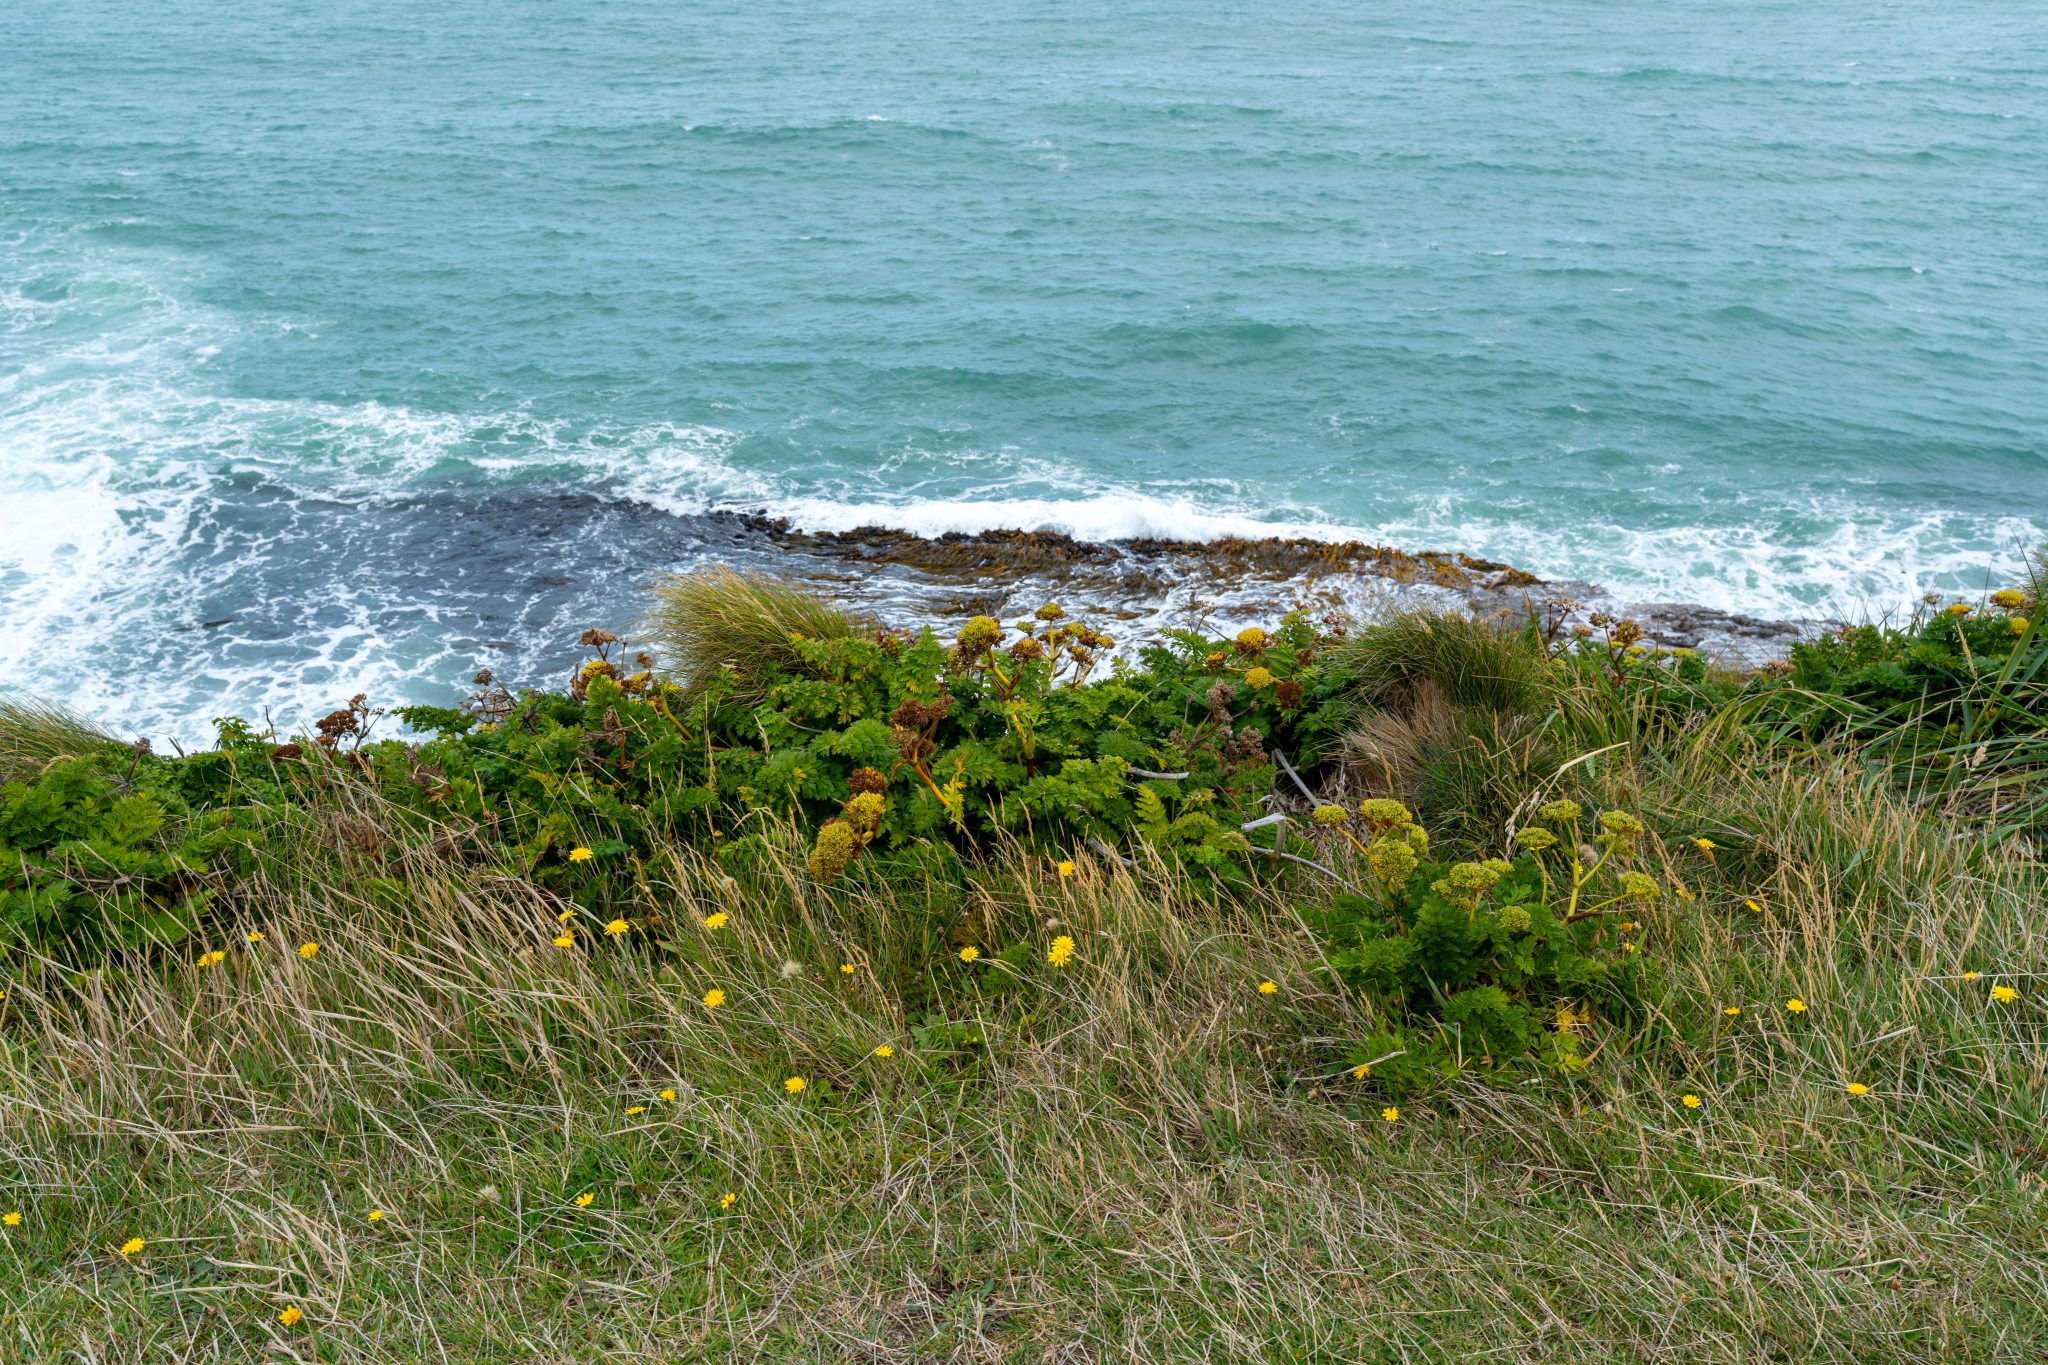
[
  {"x": 864, "y": 812},
  {"x": 834, "y": 849},
  {"x": 1393, "y": 860},
  {"x": 1382, "y": 813},
  {"x": 1466, "y": 882},
  {"x": 1639, "y": 886},
  {"x": 978, "y": 634}
]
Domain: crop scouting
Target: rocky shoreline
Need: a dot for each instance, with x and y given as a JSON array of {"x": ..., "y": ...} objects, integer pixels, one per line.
[{"x": 1153, "y": 584}]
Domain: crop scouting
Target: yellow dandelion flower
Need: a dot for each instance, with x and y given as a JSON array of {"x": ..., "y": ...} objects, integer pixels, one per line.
[
  {"x": 795, "y": 1085},
  {"x": 1628, "y": 947},
  {"x": 1360, "y": 1072},
  {"x": 1628, "y": 926},
  {"x": 727, "y": 1200},
  {"x": 1390, "y": 1114},
  {"x": 1066, "y": 867},
  {"x": 566, "y": 915},
  {"x": 713, "y": 998},
  {"x": 566, "y": 941},
  {"x": 1754, "y": 906},
  {"x": 1858, "y": 1088},
  {"x": 617, "y": 927},
  {"x": 667, "y": 1097},
  {"x": 1689, "y": 1101},
  {"x": 1971, "y": 976},
  {"x": 846, "y": 968},
  {"x": 1732, "y": 1011},
  {"x": 969, "y": 954},
  {"x": 208, "y": 959},
  {"x": 580, "y": 855},
  {"x": 716, "y": 921},
  {"x": 1705, "y": 845},
  {"x": 885, "y": 1051},
  {"x": 636, "y": 1109},
  {"x": 1061, "y": 952},
  {"x": 1796, "y": 1006},
  {"x": 306, "y": 950},
  {"x": 2004, "y": 995},
  {"x": 376, "y": 1215},
  {"x": 1269, "y": 988},
  {"x": 290, "y": 1316},
  {"x": 255, "y": 936},
  {"x": 13, "y": 1219},
  {"x": 132, "y": 1247},
  {"x": 584, "y": 1199}
]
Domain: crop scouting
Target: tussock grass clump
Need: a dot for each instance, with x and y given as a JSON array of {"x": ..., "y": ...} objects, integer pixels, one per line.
[
  {"x": 1487, "y": 766},
  {"x": 1465, "y": 770},
  {"x": 1474, "y": 661},
  {"x": 34, "y": 731},
  {"x": 1457, "y": 733},
  {"x": 716, "y": 619}
]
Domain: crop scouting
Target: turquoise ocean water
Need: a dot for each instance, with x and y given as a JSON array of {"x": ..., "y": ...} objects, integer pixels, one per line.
[{"x": 346, "y": 347}]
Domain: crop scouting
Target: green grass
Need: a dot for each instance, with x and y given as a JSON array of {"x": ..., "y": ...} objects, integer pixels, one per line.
[
  {"x": 34, "y": 731},
  {"x": 1475, "y": 661},
  {"x": 1142, "y": 1159},
  {"x": 718, "y": 619}
]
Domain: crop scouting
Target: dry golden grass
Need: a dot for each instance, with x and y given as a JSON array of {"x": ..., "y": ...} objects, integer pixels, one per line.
[{"x": 1144, "y": 1159}]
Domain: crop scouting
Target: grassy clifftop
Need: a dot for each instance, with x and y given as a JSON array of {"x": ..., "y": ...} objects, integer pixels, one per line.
[{"x": 574, "y": 1033}]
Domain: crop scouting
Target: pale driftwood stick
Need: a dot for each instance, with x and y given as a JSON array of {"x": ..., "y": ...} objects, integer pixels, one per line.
[{"x": 1288, "y": 768}]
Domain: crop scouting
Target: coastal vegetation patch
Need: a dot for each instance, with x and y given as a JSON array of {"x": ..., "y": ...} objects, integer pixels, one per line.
[{"x": 783, "y": 985}]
